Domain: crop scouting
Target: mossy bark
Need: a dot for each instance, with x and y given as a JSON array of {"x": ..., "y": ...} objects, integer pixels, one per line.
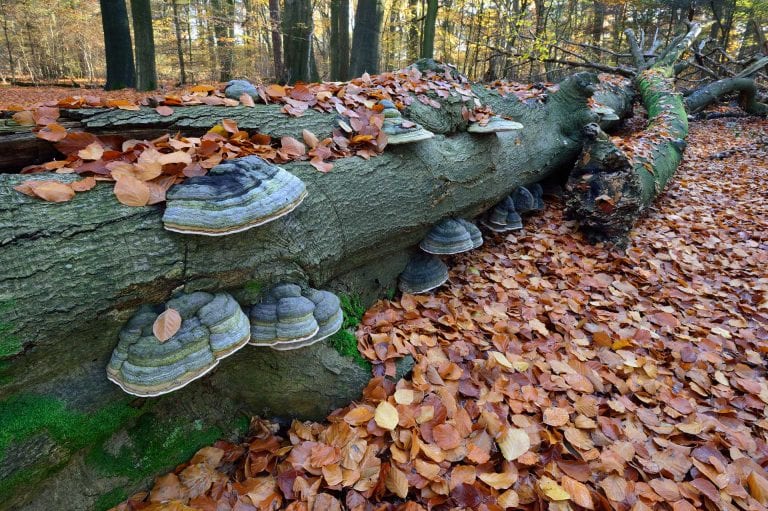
[{"x": 76, "y": 271}]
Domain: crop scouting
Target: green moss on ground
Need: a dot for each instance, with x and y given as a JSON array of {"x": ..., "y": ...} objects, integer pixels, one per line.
[
  {"x": 9, "y": 344},
  {"x": 23, "y": 416},
  {"x": 353, "y": 310}
]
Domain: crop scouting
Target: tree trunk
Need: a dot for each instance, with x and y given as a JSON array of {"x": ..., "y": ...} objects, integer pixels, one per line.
[
  {"x": 179, "y": 43},
  {"x": 297, "y": 39},
  {"x": 144, "y": 41},
  {"x": 428, "y": 38},
  {"x": 339, "y": 40},
  {"x": 223, "y": 27},
  {"x": 74, "y": 272},
  {"x": 117, "y": 45},
  {"x": 366, "y": 37},
  {"x": 705, "y": 96},
  {"x": 8, "y": 46},
  {"x": 277, "y": 43},
  {"x": 608, "y": 190}
]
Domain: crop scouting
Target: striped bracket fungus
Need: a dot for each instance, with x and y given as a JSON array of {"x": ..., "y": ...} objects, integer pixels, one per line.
[
  {"x": 212, "y": 327},
  {"x": 236, "y": 88},
  {"x": 452, "y": 236},
  {"x": 495, "y": 124},
  {"x": 399, "y": 130},
  {"x": 503, "y": 217},
  {"x": 423, "y": 273},
  {"x": 289, "y": 318},
  {"x": 523, "y": 199},
  {"x": 234, "y": 196},
  {"x": 538, "y": 197}
]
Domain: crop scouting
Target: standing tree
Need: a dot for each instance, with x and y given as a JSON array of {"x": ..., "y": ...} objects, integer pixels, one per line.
[
  {"x": 277, "y": 43},
  {"x": 117, "y": 45},
  {"x": 339, "y": 39},
  {"x": 428, "y": 38},
  {"x": 224, "y": 28},
  {"x": 11, "y": 62},
  {"x": 297, "y": 38},
  {"x": 179, "y": 42},
  {"x": 366, "y": 38},
  {"x": 144, "y": 43}
]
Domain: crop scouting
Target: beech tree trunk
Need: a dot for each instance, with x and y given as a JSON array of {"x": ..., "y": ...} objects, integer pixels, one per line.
[
  {"x": 297, "y": 41},
  {"x": 339, "y": 40},
  {"x": 74, "y": 272},
  {"x": 277, "y": 41},
  {"x": 144, "y": 41},
  {"x": 117, "y": 45},
  {"x": 366, "y": 37}
]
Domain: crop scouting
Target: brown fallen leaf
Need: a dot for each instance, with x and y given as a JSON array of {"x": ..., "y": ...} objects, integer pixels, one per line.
[{"x": 167, "y": 324}]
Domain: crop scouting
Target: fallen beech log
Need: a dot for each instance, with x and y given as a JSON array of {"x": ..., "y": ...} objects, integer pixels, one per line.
[
  {"x": 74, "y": 272},
  {"x": 705, "y": 96},
  {"x": 609, "y": 188}
]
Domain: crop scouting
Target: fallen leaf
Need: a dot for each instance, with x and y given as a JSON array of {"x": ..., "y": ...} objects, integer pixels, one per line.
[{"x": 167, "y": 324}]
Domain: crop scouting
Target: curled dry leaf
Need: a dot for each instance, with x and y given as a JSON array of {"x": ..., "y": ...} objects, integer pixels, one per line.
[
  {"x": 84, "y": 184},
  {"x": 51, "y": 191},
  {"x": 513, "y": 442},
  {"x": 52, "y": 133},
  {"x": 552, "y": 490},
  {"x": 164, "y": 111},
  {"x": 396, "y": 482},
  {"x": 167, "y": 324},
  {"x": 94, "y": 151}
]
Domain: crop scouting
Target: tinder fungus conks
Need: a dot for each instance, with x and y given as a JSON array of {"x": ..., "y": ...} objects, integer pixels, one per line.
[
  {"x": 289, "y": 318},
  {"x": 523, "y": 199},
  {"x": 450, "y": 236},
  {"x": 236, "y": 88},
  {"x": 233, "y": 197},
  {"x": 538, "y": 196},
  {"x": 399, "y": 130},
  {"x": 474, "y": 233},
  {"x": 503, "y": 217},
  {"x": 423, "y": 273},
  {"x": 494, "y": 125},
  {"x": 212, "y": 327}
]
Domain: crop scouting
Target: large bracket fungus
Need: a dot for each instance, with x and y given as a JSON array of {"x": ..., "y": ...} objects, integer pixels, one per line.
[
  {"x": 451, "y": 236},
  {"x": 538, "y": 196},
  {"x": 236, "y": 88},
  {"x": 495, "y": 124},
  {"x": 423, "y": 273},
  {"x": 212, "y": 327},
  {"x": 233, "y": 197},
  {"x": 400, "y": 130},
  {"x": 288, "y": 318},
  {"x": 523, "y": 199},
  {"x": 503, "y": 217}
]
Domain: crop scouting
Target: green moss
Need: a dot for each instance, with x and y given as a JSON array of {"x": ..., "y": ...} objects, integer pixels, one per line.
[
  {"x": 353, "y": 310},
  {"x": 253, "y": 286},
  {"x": 155, "y": 445},
  {"x": 345, "y": 343},
  {"x": 9, "y": 344},
  {"x": 111, "y": 499},
  {"x": 390, "y": 294},
  {"x": 26, "y": 415}
]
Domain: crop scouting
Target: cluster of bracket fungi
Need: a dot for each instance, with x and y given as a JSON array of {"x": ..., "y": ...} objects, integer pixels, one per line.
[{"x": 247, "y": 192}]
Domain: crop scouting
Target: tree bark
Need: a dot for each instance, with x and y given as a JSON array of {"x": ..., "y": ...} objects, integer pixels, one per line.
[
  {"x": 277, "y": 42},
  {"x": 428, "y": 34},
  {"x": 366, "y": 37},
  {"x": 705, "y": 96},
  {"x": 297, "y": 41},
  {"x": 223, "y": 27},
  {"x": 144, "y": 41},
  {"x": 339, "y": 40},
  {"x": 74, "y": 272},
  {"x": 117, "y": 43}
]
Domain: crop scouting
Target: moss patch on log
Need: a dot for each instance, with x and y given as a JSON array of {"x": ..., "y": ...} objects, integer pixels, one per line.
[{"x": 344, "y": 341}]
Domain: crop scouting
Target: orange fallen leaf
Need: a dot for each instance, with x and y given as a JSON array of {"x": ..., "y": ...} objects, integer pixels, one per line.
[{"x": 167, "y": 324}]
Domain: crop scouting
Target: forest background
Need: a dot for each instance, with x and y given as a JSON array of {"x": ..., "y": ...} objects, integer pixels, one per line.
[{"x": 62, "y": 41}]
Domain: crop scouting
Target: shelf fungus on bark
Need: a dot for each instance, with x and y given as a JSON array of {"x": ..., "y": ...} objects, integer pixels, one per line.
[
  {"x": 236, "y": 88},
  {"x": 605, "y": 113},
  {"x": 495, "y": 124},
  {"x": 423, "y": 273},
  {"x": 523, "y": 200},
  {"x": 288, "y": 318},
  {"x": 233, "y": 197},
  {"x": 503, "y": 217},
  {"x": 400, "y": 130},
  {"x": 212, "y": 327},
  {"x": 538, "y": 197},
  {"x": 451, "y": 236}
]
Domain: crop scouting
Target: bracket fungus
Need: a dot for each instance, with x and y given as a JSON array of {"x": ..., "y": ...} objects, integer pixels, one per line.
[
  {"x": 212, "y": 327},
  {"x": 605, "y": 113},
  {"x": 451, "y": 236},
  {"x": 523, "y": 200},
  {"x": 399, "y": 130},
  {"x": 495, "y": 124},
  {"x": 236, "y": 88},
  {"x": 423, "y": 273},
  {"x": 538, "y": 197},
  {"x": 234, "y": 196},
  {"x": 503, "y": 217},
  {"x": 288, "y": 318}
]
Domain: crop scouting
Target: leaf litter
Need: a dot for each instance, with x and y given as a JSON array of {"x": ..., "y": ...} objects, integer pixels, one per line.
[{"x": 550, "y": 373}]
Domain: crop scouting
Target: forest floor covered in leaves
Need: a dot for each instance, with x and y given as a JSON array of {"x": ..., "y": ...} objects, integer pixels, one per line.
[{"x": 550, "y": 373}]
